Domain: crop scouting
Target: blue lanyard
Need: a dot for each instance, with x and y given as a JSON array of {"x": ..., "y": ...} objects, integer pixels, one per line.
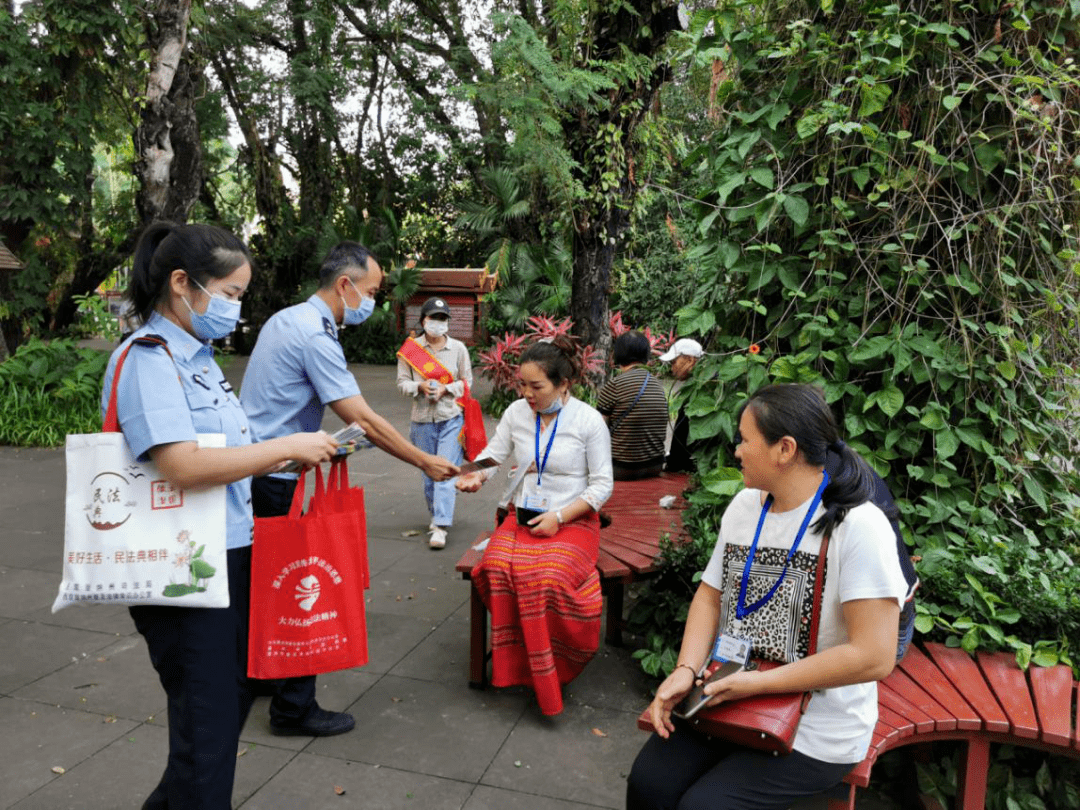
[
  {"x": 540, "y": 466},
  {"x": 741, "y": 610}
]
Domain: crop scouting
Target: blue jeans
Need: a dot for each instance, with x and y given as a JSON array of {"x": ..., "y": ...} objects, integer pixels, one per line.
[{"x": 440, "y": 439}]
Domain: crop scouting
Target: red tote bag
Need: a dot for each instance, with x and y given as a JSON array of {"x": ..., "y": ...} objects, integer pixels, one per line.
[
  {"x": 473, "y": 436},
  {"x": 307, "y": 597},
  {"x": 342, "y": 498}
]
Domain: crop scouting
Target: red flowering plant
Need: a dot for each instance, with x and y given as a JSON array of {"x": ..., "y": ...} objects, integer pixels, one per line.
[{"x": 500, "y": 363}]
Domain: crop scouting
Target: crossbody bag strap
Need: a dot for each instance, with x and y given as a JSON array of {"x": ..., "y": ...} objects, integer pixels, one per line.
[
  {"x": 626, "y": 413},
  {"x": 112, "y": 422}
]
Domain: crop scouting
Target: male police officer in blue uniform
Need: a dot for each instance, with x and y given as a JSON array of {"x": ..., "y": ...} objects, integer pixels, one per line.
[{"x": 296, "y": 369}]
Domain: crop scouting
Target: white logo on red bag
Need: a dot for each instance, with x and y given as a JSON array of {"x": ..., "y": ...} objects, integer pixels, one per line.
[{"x": 307, "y": 592}]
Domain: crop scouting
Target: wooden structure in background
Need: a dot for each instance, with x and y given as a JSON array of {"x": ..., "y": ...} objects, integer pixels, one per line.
[
  {"x": 8, "y": 260},
  {"x": 9, "y": 263},
  {"x": 463, "y": 289}
]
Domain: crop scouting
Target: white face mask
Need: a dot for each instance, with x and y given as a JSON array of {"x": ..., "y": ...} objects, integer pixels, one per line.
[{"x": 436, "y": 328}]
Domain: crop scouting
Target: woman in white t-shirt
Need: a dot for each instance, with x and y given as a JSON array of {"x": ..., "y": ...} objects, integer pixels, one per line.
[{"x": 788, "y": 507}]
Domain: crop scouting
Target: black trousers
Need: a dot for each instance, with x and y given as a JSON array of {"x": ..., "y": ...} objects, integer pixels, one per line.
[
  {"x": 200, "y": 655},
  {"x": 292, "y": 698},
  {"x": 689, "y": 771}
]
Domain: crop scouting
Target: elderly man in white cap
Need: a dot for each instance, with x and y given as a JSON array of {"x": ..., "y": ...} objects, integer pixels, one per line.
[{"x": 682, "y": 356}]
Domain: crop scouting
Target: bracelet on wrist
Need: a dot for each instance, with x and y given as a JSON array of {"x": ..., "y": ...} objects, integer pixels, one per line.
[{"x": 692, "y": 670}]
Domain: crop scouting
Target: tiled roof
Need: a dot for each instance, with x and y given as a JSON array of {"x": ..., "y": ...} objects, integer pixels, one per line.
[{"x": 8, "y": 260}]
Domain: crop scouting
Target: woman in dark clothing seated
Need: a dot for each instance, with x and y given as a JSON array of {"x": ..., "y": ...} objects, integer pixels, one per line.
[{"x": 635, "y": 407}]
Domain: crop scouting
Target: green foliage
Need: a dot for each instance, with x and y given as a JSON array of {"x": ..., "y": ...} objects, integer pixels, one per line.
[
  {"x": 534, "y": 271},
  {"x": 95, "y": 319},
  {"x": 660, "y": 606},
  {"x": 909, "y": 246},
  {"x": 1019, "y": 779},
  {"x": 653, "y": 279},
  {"x": 51, "y": 86},
  {"x": 48, "y": 390}
]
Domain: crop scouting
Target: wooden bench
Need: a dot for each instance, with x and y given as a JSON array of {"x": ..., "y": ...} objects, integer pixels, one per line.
[
  {"x": 940, "y": 693},
  {"x": 629, "y": 548}
]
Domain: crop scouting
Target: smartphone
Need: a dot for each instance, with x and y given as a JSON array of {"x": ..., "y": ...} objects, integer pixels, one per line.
[
  {"x": 525, "y": 515},
  {"x": 697, "y": 698}
]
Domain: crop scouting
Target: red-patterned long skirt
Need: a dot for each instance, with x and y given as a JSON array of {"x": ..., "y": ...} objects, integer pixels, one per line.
[{"x": 545, "y": 603}]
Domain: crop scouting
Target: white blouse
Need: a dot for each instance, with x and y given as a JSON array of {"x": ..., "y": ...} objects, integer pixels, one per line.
[{"x": 577, "y": 466}]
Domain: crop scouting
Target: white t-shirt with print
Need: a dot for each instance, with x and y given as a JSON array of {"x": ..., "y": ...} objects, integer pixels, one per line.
[{"x": 861, "y": 563}]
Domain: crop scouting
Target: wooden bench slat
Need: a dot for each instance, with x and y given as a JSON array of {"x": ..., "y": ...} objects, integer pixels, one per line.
[
  {"x": 923, "y": 671},
  {"x": 963, "y": 671},
  {"x": 887, "y": 696},
  {"x": 888, "y": 733},
  {"x": 860, "y": 774},
  {"x": 1052, "y": 688},
  {"x": 642, "y": 543},
  {"x": 611, "y": 567},
  {"x": 641, "y": 534},
  {"x": 902, "y": 684},
  {"x": 638, "y": 556},
  {"x": 902, "y": 724},
  {"x": 469, "y": 559},
  {"x": 632, "y": 560},
  {"x": 1010, "y": 689}
]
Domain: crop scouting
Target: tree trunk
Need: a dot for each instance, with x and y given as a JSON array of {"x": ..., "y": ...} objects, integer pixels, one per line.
[
  {"x": 594, "y": 257},
  {"x": 167, "y": 148},
  {"x": 601, "y": 222}
]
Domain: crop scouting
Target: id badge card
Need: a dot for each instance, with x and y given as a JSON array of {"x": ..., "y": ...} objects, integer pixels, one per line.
[
  {"x": 535, "y": 502},
  {"x": 730, "y": 647}
]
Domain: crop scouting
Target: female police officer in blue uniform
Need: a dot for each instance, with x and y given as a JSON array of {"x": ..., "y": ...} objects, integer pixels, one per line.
[{"x": 186, "y": 284}]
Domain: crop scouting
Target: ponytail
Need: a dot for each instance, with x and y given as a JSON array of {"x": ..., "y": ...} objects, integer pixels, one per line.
[
  {"x": 148, "y": 282},
  {"x": 851, "y": 485}
]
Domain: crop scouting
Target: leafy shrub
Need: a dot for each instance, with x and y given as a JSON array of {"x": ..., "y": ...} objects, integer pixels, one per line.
[
  {"x": 888, "y": 208},
  {"x": 911, "y": 247},
  {"x": 95, "y": 319},
  {"x": 660, "y": 606},
  {"x": 48, "y": 390},
  {"x": 653, "y": 278}
]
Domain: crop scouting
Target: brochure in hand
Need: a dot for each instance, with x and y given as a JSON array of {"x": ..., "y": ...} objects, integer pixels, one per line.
[
  {"x": 473, "y": 466},
  {"x": 348, "y": 440}
]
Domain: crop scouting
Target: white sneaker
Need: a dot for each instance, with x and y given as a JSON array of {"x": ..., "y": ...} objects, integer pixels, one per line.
[{"x": 438, "y": 537}]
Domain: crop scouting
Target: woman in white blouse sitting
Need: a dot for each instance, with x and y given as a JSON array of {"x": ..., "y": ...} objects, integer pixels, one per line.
[{"x": 538, "y": 574}]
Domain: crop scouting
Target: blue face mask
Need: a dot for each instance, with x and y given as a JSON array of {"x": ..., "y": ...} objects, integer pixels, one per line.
[
  {"x": 355, "y": 317},
  {"x": 218, "y": 321},
  {"x": 555, "y": 406}
]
